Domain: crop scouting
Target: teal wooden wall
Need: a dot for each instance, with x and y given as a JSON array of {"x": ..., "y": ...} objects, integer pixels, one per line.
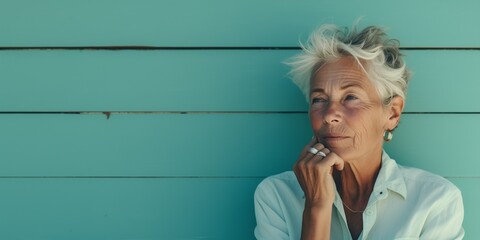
[{"x": 203, "y": 115}]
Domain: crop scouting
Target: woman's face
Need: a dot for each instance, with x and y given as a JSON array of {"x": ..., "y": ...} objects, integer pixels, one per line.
[{"x": 346, "y": 112}]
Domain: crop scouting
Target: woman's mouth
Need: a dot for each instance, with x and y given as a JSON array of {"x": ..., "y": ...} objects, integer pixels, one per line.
[{"x": 334, "y": 139}]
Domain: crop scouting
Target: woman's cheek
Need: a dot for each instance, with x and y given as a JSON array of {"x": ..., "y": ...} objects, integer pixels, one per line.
[
  {"x": 315, "y": 120},
  {"x": 360, "y": 132}
]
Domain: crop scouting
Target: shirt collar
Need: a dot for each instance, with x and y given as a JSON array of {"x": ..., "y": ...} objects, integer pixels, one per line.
[{"x": 390, "y": 177}]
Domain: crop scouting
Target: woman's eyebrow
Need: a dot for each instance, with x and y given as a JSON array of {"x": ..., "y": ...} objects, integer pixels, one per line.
[
  {"x": 320, "y": 90},
  {"x": 347, "y": 85}
]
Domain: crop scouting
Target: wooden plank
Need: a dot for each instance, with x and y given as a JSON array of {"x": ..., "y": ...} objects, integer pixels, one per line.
[
  {"x": 256, "y": 80},
  {"x": 443, "y": 81},
  {"x": 127, "y": 209},
  {"x": 147, "y": 208},
  {"x": 220, "y": 23},
  {"x": 445, "y": 144},
  {"x": 150, "y": 144},
  {"x": 242, "y": 145},
  {"x": 146, "y": 81}
]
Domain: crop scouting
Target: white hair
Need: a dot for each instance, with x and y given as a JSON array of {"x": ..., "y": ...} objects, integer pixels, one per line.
[{"x": 383, "y": 62}]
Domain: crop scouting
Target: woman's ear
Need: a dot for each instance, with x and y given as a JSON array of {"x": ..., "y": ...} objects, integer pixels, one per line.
[{"x": 395, "y": 109}]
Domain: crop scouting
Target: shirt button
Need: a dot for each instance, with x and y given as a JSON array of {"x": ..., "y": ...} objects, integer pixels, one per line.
[{"x": 369, "y": 212}]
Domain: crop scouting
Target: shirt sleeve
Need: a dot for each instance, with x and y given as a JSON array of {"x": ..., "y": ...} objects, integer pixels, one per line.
[
  {"x": 270, "y": 219},
  {"x": 446, "y": 218}
]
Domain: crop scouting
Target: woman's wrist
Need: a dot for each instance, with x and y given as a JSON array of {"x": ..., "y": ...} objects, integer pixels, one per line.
[
  {"x": 318, "y": 206},
  {"x": 316, "y": 222}
]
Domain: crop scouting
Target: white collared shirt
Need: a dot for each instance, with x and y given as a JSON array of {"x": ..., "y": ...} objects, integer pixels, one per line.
[{"x": 406, "y": 203}]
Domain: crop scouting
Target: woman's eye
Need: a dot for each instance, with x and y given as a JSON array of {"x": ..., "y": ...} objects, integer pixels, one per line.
[
  {"x": 351, "y": 97},
  {"x": 318, "y": 100}
]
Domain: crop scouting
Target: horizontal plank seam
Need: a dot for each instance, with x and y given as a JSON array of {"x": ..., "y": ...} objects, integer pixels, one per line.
[
  {"x": 172, "y": 177},
  {"x": 159, "y": 112},
  {"x": 120, "y": 48},
  {"x": 134, "y": 177},
  {"x": 194, "y": 112}
]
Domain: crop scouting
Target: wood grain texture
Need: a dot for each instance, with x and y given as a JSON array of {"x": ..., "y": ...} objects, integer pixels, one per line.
[
  {"x": 220, "y": 23},
  {"x": 222, "y": 80},
  {"x": 204, "y": 145}
]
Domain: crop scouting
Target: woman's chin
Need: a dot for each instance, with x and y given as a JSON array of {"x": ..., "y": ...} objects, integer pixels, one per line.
[{"x": 343, "y": 152}]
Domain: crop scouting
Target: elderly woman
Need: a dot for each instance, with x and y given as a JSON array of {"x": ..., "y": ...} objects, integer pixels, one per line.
[{"x": 344, "y": 185}]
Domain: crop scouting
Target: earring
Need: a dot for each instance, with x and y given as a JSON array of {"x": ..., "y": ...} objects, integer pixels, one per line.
[{"x": 388, "y": 135}]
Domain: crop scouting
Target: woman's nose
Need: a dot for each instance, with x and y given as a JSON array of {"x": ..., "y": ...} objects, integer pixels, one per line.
[{"x": 332, "y": 113}]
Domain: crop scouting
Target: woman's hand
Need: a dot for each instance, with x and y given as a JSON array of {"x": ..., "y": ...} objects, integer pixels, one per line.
[{"x": 314, "y": 173}]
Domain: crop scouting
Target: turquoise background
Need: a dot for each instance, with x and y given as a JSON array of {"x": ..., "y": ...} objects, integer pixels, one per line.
[{"x": 201, "y": 118}]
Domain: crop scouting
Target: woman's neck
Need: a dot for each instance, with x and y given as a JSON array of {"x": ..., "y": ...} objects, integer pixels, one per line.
[{"x": 355, "y": 183}]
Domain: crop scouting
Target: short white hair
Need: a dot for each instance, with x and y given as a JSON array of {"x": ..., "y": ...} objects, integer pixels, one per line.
[{"x": 383, "y": 62}]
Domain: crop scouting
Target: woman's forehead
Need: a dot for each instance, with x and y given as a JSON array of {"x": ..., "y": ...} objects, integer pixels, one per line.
[{"x": 342, "y": 73}]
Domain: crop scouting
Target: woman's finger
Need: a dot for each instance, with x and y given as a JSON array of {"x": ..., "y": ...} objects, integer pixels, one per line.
[
  {"x": 326, "y": 151},
  {"x": 333, "y": 160}
]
